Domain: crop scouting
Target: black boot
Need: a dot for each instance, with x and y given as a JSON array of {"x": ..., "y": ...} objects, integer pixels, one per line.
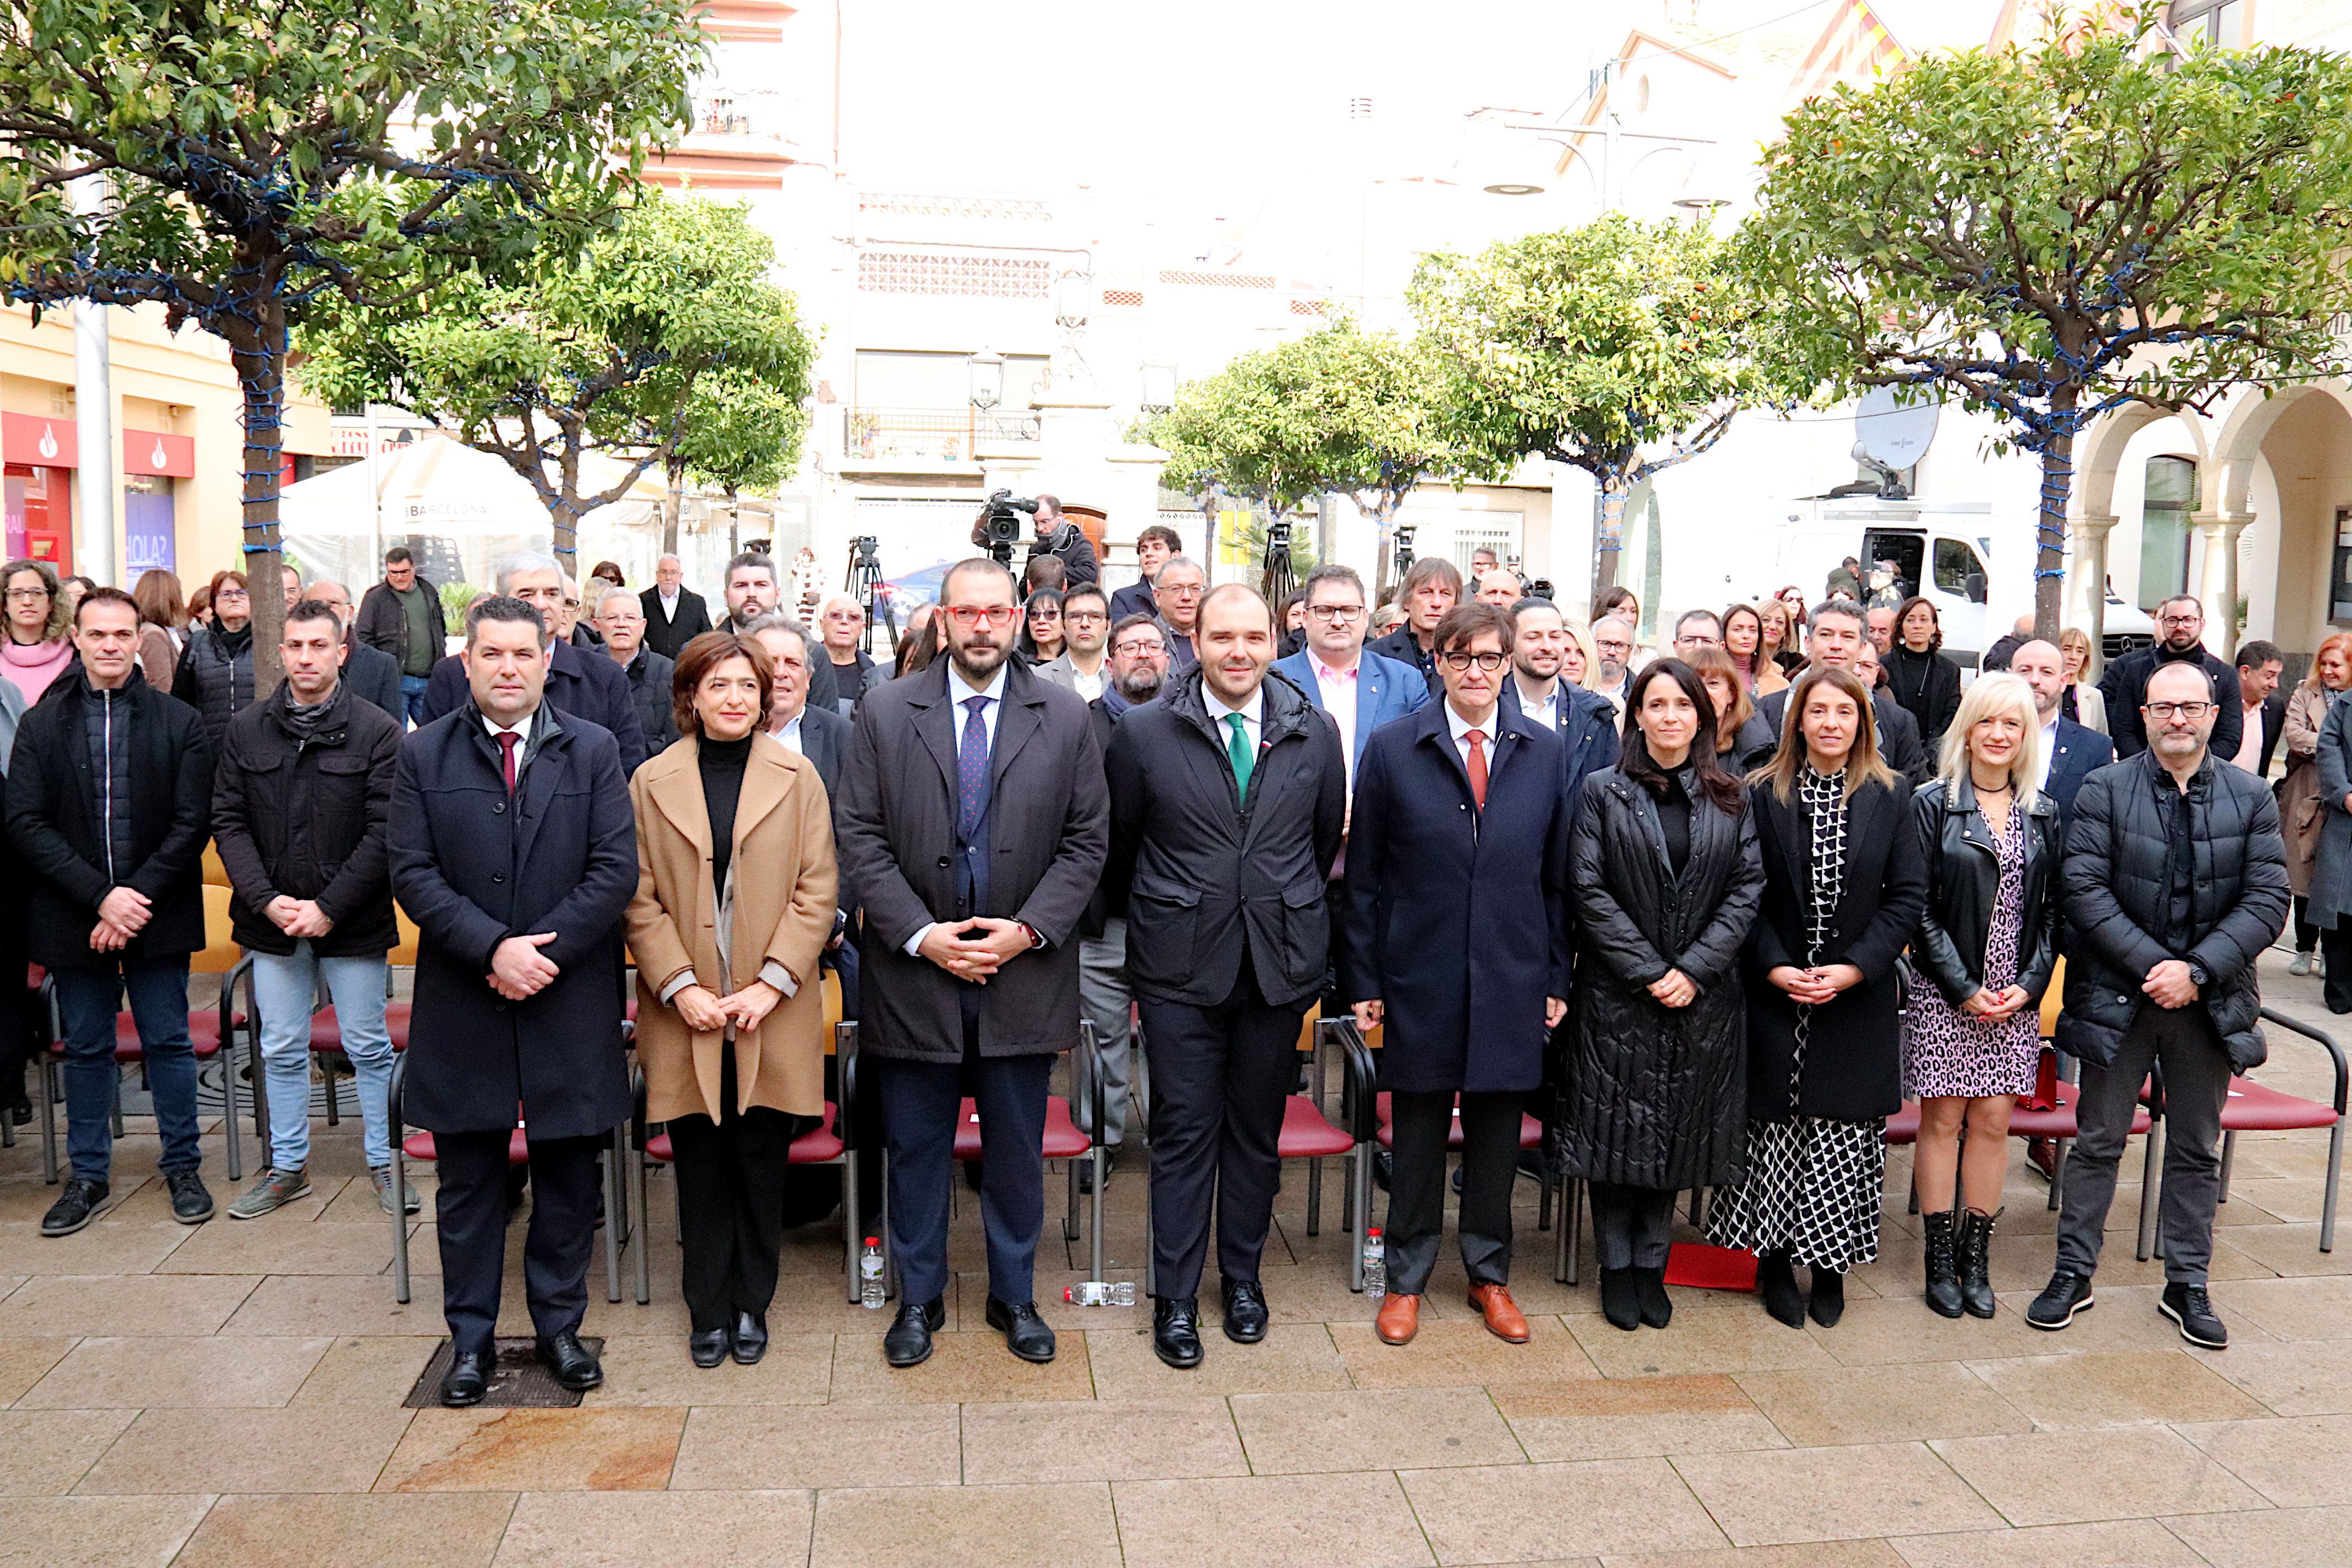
[
  {"x": 1943, "y": 1266},
  {"x": 1776, "y": 1281},
  {"x": 1620, "y": 1297},
  {"x": 1975, "y": 1263},
  {"x": 1828, "y": 1297},
  {"x": 1657, "y": 1307}
]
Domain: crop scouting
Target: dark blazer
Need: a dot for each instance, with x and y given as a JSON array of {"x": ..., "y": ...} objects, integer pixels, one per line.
[
  {"x": 649, "y": 675},
  {"x": 373, "y": 676},
  {"x": 1964, "y": 888},
  {"x": 309, "y": 820},
  {"x": 54, "y": 820},
  {"x": 585, "y": 685},
  {"x": 665, "y": 636},
  {"x": 826, "y": 740},
  {"x": 1899, "y": 745},
  {"x": 2125, "y": 685},
  {"x": 2273, "y": 724},
  {"x": 1040, "y": 844},
  {"x": 1206, "y": 876},
  {"x": 1854, "y": 1062},
  {"x": 1135, "y": 599},
  {"x": 1588, "y": 735},
  {"x": 473, "y": 867},
  {"x": 1401, "y": 646},
  {"x": 1456, "y": 919},
  {"x": 2079, "y": 751}
]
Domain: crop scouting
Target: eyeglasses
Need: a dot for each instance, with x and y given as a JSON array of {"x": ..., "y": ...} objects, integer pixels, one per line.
[
  {"x": 1085, "y": 617},
  {"x": 1044, "y": 613},
  {"x": 230, "y": 593},
  {"x": 2182, "y": 620},
  {"x": 26, "y": 595},
  {"x": 1613, "y": 645},
  {"x": 1137, "y": 648},
  {"x": 1336, "y": 615},
  {"x": 1699, "y": 639},
  {"x": 972, "y": 615},
  {"x": 1458, "y": 662},
  {"x": 2163, "y": 712}
]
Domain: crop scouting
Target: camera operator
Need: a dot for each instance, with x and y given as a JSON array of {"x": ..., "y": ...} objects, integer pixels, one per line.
[{"x": 1057, "y": 536}]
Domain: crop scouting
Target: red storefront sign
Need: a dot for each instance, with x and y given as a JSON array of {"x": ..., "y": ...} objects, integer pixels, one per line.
[
  {"x": 38, "y": 439},
  {"x": 149, "y": 452}
]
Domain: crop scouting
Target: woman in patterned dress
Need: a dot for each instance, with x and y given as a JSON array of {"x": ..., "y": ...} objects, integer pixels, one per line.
[
  {"x": 1984, "y": 953},
  {"x": 1844, "y": 880}
]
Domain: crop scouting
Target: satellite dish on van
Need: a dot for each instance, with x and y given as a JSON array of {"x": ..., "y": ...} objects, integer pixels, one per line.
[{"x": 1893, "y": 433}]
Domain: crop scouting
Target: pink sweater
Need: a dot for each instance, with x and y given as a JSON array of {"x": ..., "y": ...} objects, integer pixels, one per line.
[{"x": 33, "y": 666}]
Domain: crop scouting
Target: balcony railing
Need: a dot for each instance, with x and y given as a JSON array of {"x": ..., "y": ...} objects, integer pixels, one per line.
[{"x": 930, "y": 434}]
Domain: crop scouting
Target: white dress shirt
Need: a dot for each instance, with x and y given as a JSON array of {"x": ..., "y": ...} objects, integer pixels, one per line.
[
  {"x": 1088, "y": 687},
  {"x": 1460, "y": 728},
  {"x": 1547, "y": 715},
  {"x": 1336, "y": 689},
  {"x": 2049, "y": 755},
  {"x": 522, "y": 747},
  {"x": 1252, "y": 710},
  {"x": 959, "y": 690},
  {"x": 668, "y": 597},
  {"x": 791, "y": 733}
]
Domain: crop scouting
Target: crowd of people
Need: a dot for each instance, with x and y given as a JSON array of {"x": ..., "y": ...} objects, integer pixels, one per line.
[{"x": 1711, "y": 912}]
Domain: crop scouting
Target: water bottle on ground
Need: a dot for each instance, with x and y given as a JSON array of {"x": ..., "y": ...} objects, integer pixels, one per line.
[
  {"x": 1101, "y": 1293},
  {"x": 1375, "y": 1263},
  {"x": 870, "y": 1293}
]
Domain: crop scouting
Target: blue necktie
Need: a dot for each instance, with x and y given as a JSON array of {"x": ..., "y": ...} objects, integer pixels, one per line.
[{"x": 971, "y": 769}]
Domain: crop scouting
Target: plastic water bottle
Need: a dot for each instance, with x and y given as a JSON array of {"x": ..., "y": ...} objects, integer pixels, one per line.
[
  {"x": 869, "y": 1274},
  {"x": 1101, "y": 1293},
  {"x": 1375, "y": 1263}
]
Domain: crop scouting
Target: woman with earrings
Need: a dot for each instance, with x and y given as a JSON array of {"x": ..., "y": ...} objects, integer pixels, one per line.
[
  {"x": 1664, "y": 881},
  {"x": 1986, "y": 948},
  {"x": 1844, "y": 886}
]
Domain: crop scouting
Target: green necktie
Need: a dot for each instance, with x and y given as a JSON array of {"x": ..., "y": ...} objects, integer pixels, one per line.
[{"x": 1238, "y": 752}]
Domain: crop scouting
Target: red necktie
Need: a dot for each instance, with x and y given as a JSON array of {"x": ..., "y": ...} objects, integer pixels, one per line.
[
  {"x": 508, "y": 739},
  {"x": 1478, "y": 739}
]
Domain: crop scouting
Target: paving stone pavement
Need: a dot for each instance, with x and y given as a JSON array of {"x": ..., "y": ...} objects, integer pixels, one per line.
[{"x": 231, "y": 1395}]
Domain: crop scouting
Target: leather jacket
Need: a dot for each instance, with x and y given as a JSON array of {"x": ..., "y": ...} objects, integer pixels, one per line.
[{"x": 1964, "y": 884}]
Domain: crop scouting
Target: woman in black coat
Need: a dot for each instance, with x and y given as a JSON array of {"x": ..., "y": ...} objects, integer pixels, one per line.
[
  {"x": 1844, "y": 884},
  {"x": 1665, "y": 879},
  {"x": 1919, "y": 676},
  {"x": 215, "y": 673}
]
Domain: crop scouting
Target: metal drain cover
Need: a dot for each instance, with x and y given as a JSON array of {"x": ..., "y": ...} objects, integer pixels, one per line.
[{"x": 518, "y": 1383}]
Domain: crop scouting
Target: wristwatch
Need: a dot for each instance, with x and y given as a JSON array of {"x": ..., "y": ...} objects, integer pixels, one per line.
[
  {"x": 2200, "y": 974},
  {"x": 1035, "y": 941}
]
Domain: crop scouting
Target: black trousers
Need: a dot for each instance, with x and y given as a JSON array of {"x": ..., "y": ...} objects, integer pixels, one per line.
[
  {"x": 1633, "y": 1228},
  {"x": 2336, "y": 946},
  {"x": 471, "y": 1213},
  {"x": 920, "y": 1103},
  {"x": 730, "y": 1203},
  {"x": 1420, "y": 1122},
  {"x": 1219, "y": 1077}
]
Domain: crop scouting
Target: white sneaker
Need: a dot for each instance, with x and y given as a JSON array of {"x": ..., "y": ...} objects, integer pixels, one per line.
[{"x": 2302, "y": 964}]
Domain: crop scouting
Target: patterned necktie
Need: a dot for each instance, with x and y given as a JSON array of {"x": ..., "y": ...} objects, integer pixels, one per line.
[
  {"x": 971, "y": 769},
  {"x": 1478, "y": 739},
  {"x": 507, "y": 740},
  {"x": 1237, "y": 751}
]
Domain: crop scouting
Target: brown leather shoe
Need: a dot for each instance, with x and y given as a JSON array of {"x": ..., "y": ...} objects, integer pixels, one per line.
[
  {"x": 1504, "y": 1319},
  {"x": 1400, "y": 1319}
]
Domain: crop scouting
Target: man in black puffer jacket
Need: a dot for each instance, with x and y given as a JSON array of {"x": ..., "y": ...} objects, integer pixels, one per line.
[{"x": 2175, "y": 882}]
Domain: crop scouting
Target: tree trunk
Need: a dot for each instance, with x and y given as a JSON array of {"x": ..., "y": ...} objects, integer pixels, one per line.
[
  {"x": 565, "y": 513},
  {"x": 1383, "y": 547},
  {"x": 2057, "y": 488},
  {"x": 671, "y": 523},
  {"x": 260, "y": 366},
  {"x": 1608, "y": 538}
]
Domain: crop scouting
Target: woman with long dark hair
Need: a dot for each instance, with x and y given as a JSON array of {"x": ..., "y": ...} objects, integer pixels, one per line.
[
  {"x": 1743, "y": 640},
  {"x": 1918, "y": 674},
  {"x": 1844, "y": 886},
  {"x": 1041, "y": 627},
  {"x": 1665, "y": 880}
]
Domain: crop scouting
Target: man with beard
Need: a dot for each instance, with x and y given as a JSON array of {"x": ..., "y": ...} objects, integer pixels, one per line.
[
  {"x": 2180, "y": 630},
  {"x": 753, "y": 589},
  {"x": 972, "y": 823}
]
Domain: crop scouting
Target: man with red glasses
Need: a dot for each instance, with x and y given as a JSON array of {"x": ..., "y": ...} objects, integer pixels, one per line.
[{"x": 972, "y": 822}]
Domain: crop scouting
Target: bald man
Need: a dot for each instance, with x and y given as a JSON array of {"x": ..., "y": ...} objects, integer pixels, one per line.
[
  {"x": 1499, "y": 588},
  {"x": 2071, "y": 753}
]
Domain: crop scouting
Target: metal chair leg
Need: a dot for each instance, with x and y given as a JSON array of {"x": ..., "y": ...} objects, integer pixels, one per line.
[
  {"x": 2229, "y": 1158},
  {"x": 637, "y": 1212},
  {"x": 1314, "y": 1197},
  {"x": 613, "y": 1218},
  {"x": 2150, "y": 1190},
  {"x": 2327, "y": 1202},
  {"x": 49, "y": 1119}
]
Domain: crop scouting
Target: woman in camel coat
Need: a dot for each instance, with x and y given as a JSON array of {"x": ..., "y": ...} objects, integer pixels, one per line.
[{"x": 735, "y": 902}]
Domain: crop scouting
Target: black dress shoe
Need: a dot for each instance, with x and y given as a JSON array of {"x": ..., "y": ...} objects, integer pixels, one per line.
[
  {"x": 1620, "y": 1297},
  {"x": 751, "y": 1338},
  {"x": 909, "y": 1340},
  {"x": 571, "y": 1361},
  {"x": 1245, "y": 1313},
  {"x": 1025, "y": 1333},
  {"x": 707, "y": 1346},
  {"x": 468, "y": 1379},
  {"x": 1176, "y": 1332}
]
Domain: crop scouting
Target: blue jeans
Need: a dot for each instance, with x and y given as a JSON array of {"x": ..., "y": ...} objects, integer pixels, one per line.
[
  {"x": 87, "y": 1002},
  {"x": 283, "y": 990},
  {"x": 412, "y": 698}
]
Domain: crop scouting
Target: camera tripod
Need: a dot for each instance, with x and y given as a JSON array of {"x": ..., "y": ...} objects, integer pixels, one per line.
[
  {"x": 863, "y": 584},
  {"x": 1280, "y": 577}
]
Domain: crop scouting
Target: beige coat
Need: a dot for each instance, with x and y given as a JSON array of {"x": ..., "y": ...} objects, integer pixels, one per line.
[
  {"x": 781, "y": 893},
  {"x": 2301, "y": 811}
]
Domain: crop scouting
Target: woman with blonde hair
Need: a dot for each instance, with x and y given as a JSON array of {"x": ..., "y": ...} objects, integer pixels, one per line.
[
  {"x": 2082, "y": 701},
  {"x": 1844, "y": 884},
  {"x": 1782, "y": 640},
  {"x": 1576, "y": 662},
  {"x": 2302, "y": 811},
  {"x": 1984, "y": 953}
]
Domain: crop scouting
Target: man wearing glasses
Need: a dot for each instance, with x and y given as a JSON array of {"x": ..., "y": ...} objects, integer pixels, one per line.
[
  {"x": 1359, "y": 689},
  {"x": 1612, "y": 650},
  {"x": 1696, "y": 629},
  {"x": 972, "y": 823},
  {"x": 2179, "y": 630},
  {"x": 2175, "y": 881},
  {"x": 1085, "y": 629}
]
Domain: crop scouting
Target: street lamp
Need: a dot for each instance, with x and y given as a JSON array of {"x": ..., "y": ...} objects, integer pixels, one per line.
[
  {"x": 1159, "y": 388},
  {"x": 985, "y": 370}
]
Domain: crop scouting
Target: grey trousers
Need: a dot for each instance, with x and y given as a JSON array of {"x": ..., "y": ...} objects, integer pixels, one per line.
[
  {"x": 1633, "y": 1228},
  {"x": 2196, "y": 1087},
  {"x": 1104, "y": 999}
]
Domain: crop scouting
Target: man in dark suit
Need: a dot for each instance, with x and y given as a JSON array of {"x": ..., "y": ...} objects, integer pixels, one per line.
[
  {"x": 620, "y": 617},
  {"x": 2180, "y": 632},
  {"x": 1359, "y": 689},
  {"x": 369, "y": 673},
  {"x": 515, "y": 854},
  {"x": 2071, "y": 753},
  {"x": 1430, "y": 588},
  {"x": 2261, "y": 704},
  {"x": 972, "y": 823},
  {"x": 1839, "y": 635},
  {"x": 675, "y": 614},
  {"x": 1229, "y": 795},
  {"x": 584, "y": 685}
]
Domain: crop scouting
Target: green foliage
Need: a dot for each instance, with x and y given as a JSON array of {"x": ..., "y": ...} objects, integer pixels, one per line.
[
  {"x": 2047, "y": 234},
  {"x": 663, "y": 338}
]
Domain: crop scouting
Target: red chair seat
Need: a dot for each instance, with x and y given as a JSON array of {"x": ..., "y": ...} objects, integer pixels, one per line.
[
  {"x": 2059, "y": 1122},
  {"x": 2252, "y": 1107},
  {"x": 1530, "y": 1130},
  {"x": 1307, "y": 1133},
  {"x": 1063, "y": 1141},
  {"x": 327, "y": 1032},
  {"x": 419, "y": 1146},
  {"x": 1903, "y": 1127},
  {"x": 822, "y": 1147},
  {"x": 204, "y": 1035}
]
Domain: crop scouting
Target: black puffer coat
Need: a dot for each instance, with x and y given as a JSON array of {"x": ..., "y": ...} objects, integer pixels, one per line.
[
  {"x": 2117, "y": 887},
  {"x": 1657, "y": 1096},
  {"x": 216, "y": 677}
]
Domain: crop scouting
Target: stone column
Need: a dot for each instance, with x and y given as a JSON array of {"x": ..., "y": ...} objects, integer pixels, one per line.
[
  {"x": 2217, "y": 584},
  {"x": 2086, "y": 601}
]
